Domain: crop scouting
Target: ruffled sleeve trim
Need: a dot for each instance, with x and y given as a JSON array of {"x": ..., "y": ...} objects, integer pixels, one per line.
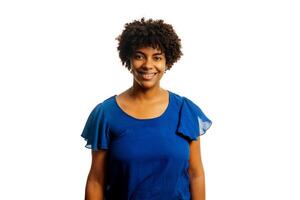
[
  {"x": 96, "y": 130},
  {"x": 192, "y": 121}
]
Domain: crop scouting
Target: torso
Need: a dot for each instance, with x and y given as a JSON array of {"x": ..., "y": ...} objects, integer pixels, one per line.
[{"x": 143, "y": 110}]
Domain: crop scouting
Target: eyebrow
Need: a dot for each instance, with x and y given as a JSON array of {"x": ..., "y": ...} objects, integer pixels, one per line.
[{"x": 153, "y": 54}]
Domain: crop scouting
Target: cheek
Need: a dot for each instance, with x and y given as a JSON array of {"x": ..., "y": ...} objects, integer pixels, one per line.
[
  {"x": 135, "y": 65},
  {"x": 161, "y": 68}
]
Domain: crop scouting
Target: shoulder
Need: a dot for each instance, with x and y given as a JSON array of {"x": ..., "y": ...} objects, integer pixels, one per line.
[
  {"x": 104, "y": 106},
  {"x": 177, "y": 98},
  {"x": 108, "y": 102},
  {"x": 180, "y": 100}
]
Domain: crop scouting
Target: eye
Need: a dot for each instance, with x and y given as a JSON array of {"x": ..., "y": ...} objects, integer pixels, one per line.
[
  {"x": 138, "y": 57},
  {"x": 157, "y": 58}
]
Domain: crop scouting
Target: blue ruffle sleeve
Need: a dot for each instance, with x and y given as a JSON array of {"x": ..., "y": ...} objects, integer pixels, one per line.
[
  {"x": 192, "y": 121},
  {"x": 96, "y": 130}
]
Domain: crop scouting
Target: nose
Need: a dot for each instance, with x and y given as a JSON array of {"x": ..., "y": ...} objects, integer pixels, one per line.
[{"x": 148, "y": 64}]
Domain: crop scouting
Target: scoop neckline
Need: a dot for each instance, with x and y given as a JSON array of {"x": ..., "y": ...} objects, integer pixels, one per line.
[{"x": 144, "y": 119}]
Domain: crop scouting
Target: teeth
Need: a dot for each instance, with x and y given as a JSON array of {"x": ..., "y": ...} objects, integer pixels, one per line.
[{"x": 147, "y": 75}]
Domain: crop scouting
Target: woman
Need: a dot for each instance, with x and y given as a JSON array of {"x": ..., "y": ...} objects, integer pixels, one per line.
[{"x": 144, "y": 141}]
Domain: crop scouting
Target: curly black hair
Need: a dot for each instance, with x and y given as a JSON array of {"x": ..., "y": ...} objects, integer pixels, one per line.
[{"x": 149, "y": 33}]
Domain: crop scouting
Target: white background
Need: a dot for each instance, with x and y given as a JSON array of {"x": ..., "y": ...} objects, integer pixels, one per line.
[{"x": 58, "y": 60}]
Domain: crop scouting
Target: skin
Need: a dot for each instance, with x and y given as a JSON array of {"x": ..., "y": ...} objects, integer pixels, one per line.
[
  {"x": 196, "y": 172},
  {"x": 95, "y": 185},
  {"x": 145, "y": 99}
]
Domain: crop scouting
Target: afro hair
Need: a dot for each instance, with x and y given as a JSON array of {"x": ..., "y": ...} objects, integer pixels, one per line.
[{"x": 149, "y": 33}]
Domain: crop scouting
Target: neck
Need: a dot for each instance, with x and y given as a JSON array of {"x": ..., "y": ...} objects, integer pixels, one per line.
[{"x": 145, "y": 94}]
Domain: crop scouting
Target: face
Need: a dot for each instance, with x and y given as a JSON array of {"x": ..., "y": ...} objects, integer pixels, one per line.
[{"x": 148, "y": 66}]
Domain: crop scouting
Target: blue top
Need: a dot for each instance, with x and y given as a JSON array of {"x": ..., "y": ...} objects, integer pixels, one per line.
[{"x": 148, "y": 158}]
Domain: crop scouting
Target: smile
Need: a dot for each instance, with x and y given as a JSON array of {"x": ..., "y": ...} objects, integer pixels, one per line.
[{"x": 147, "y": 76}]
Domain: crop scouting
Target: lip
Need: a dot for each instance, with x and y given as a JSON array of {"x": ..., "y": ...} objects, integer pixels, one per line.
[
  {"x": 143, "y": 72},
  {"x": 147, "y": 75}
]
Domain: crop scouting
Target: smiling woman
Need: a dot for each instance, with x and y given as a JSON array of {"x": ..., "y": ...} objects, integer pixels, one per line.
[{"x": 145, "y": 141}]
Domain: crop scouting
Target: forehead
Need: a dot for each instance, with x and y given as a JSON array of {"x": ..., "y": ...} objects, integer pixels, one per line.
[{"x": 148, "y": 50}]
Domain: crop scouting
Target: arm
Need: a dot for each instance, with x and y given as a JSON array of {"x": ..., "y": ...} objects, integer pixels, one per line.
[
  {"x": 196, "y": 172},
  {"x": 95, "y": 185}
]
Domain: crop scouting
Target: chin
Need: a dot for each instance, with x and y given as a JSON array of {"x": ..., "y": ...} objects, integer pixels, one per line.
[{"x": 148, "y": 85}]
